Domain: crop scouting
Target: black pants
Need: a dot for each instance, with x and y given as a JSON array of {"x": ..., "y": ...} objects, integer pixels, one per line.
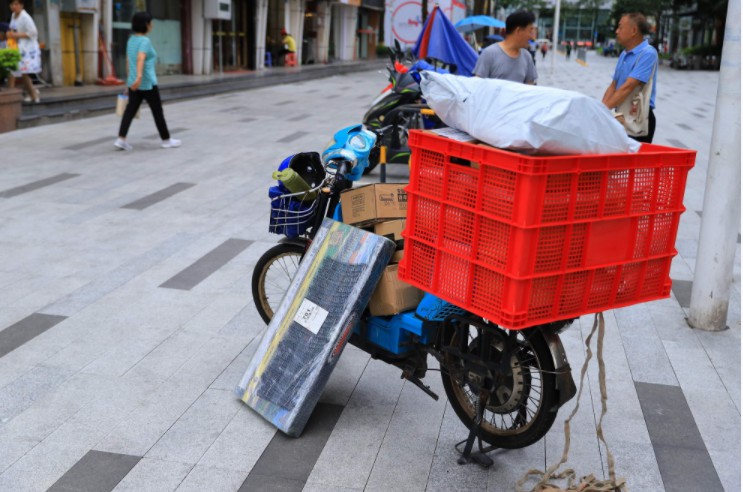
[
  {"x": 651, "y": 129},
  {"x": 156, "y": 106}
]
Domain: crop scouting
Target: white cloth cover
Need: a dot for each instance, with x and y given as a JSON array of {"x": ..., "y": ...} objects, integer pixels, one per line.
[{"x": 525, "y": 118}]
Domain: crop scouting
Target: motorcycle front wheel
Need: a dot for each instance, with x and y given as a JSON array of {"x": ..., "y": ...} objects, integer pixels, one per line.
[
  {"x": 272, "y": 276},
  {"x": 521, "y": 407}
]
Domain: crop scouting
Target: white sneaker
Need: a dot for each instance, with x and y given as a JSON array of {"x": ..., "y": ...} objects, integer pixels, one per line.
[
  {"x": 122, "y": 144},
  {"x": 171, "y": 143}
]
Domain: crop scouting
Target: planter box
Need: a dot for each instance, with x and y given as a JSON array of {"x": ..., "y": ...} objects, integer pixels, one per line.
[{"x": 10, "y": 109}]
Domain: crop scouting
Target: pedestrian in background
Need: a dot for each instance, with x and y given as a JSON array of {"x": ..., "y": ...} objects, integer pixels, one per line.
[
  {"x": 568, "y": 49},
  {"x": 632, "y": 89},
  {"x": 23, "y": 33},
  {"x": 4, "y": 28},
  {"x": 544, "y": 49},
  {"x": 142, "y": 83},
  {"x": 288, "y": 49},
  {"x": 510, "y": 59}
]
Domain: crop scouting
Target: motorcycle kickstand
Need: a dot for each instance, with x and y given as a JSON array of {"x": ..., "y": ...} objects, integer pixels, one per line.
[{"x": 480, "y": 457}]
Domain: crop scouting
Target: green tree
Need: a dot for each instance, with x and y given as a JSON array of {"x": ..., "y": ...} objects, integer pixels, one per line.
[{"x": 531, "y": 5}]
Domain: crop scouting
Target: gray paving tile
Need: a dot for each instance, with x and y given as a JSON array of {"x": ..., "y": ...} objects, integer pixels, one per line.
[
  {"x": 300, "y": 117},
  {"x": 343, "y": 463},
  {"x": 158, "y": 196},
  {"x": 683, "y": 459},
  {"x": 405, "y": 457},
  {"x": 197, "y": 429},
  {"x": 447, "y": 475},
  {"x": 283, "y": 103},
  {"x": 677, "y": 143},
  {"x": 26, "y": 329},
  {"x": 682, "y": 290},
  {"x": 203, "y": 478},
  {"x": 191, "y": 276},
  {"x": 147, "y": 423},
  {"x": 247, "y": 120},
  {"x": 154, "y": 476},
  {"x": 95, "y": 472},
  {"x": 35, "y": 185},
  {"x": 646, "y": 355},
  {"x": 112, "y": 280},
  {"x": 28, "y": 388},
  {"x": 173, "y": 131},
  {"x": 89, "y": 143},
  {"x": 233, "y": 449},
  {"x": 292, "y": 137},
  {"x": 684, "y": 126},
  {"x": 287, "y": 462}
]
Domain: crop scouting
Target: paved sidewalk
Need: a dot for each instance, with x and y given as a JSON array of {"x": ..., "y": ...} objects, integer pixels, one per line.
[{"x": 132, "y": 271}]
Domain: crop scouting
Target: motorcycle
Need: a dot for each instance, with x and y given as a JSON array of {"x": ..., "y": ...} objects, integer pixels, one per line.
[
  {"x": 506, "y": 386},
  {"x": 399, "y": 105}
]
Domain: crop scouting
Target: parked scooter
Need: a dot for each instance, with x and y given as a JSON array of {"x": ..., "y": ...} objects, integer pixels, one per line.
[
  {"x": 505, "y": 385},
  {"x": 399, "y": 105}
]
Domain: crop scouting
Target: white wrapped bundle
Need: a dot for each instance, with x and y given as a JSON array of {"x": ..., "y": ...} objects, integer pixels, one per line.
[{"x": 525, "y": 118}]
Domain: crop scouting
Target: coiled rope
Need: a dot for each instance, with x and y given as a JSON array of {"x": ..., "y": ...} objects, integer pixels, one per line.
[{"x": 588, "y": 483}]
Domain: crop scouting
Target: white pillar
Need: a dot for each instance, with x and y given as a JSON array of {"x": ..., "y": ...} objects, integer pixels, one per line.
[
  {"x": 296, "y": 25},
  {"x": 710, "y": 294},
  {"x": 54, "y": 43},
  {"x": 347, "y": 32},
  {"x": 555, "y": 35},
  {"x": 108, "y": 32},
  {"x": 324, "y": 18},
  {"x": 89, "y": 46},
  {"x": 261, "y": 24},
  {"x": 207, "y": 52},
  {"x": 197, "y": 37}
]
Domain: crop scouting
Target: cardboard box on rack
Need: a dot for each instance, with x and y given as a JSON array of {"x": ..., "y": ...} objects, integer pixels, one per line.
[
  {"x": 391, "y": 229},
  {"x": 374, "y": 203},
  {"x": 392, "y": 295}
]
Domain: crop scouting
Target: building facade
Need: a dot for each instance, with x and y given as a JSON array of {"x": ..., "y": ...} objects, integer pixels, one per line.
[{"x": 84, "y": 41}]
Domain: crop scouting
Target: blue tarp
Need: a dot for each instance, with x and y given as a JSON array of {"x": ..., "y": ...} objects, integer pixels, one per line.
[
  {"x": 469, "y": 24},
  {"x": 441, "y": 41}
]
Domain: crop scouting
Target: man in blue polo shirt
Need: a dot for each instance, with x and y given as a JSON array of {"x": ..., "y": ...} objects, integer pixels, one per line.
[{"x": 636, "y": 65}]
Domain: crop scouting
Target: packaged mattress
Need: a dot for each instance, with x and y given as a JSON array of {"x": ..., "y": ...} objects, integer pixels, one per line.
[{"x": 311, "y": 326}]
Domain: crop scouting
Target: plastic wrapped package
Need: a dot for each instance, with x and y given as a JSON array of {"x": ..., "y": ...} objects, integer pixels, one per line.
[
  {"x": 311, "y": 326},
  {"x": 526, "y": 118}
]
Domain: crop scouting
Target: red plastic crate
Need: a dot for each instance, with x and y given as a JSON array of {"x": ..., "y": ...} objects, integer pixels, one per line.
[{"x": 524, "y": 240}]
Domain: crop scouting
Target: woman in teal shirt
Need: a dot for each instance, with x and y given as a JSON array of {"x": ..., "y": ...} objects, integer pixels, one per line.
[{"x": 142, "y": 83}]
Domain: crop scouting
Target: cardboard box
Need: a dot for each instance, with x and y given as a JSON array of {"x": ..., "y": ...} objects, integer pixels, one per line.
[
  {"x": 391, "y": 229},
  {"x": 374, "y": 203},
  {"x": 397, "y": 257},
  {"x": 392, "y": 295}
]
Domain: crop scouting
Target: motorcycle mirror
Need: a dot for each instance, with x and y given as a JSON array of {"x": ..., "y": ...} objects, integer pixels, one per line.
[
  {"x": 398, "y": 49},
  {"x": 391, "y": 55}
]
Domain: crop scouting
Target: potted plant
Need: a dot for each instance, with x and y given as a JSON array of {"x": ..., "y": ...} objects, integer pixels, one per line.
[{"x": 10, "y": 99}]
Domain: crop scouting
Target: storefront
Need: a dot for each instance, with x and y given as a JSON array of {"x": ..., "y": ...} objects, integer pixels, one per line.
[
  {"x": 165, "y": 35},
  {"x": 370, "y": 21},
  {"x": 234, "y": 39}
]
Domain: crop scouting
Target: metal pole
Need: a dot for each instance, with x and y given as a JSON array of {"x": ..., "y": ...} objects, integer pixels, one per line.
[
  {"x": 710, "y": 294},
  {"x": 555, "y": 35},
  {"x": 221, "y": 53}
]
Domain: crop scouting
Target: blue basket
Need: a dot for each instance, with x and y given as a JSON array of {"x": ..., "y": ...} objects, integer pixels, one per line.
[{"x": 291, "y": 214}]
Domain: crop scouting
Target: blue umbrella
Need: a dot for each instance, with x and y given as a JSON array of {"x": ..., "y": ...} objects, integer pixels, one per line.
[
  {"x": 494, "y": 37},
  {"x": 475, "y": 22},
  {"x": 441, "y": 41}
]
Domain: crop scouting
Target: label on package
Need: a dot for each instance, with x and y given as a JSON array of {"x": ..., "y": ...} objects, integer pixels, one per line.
[{"x": 310, "y": 316}]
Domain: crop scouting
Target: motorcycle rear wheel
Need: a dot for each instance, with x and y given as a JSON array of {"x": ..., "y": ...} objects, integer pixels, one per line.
[
  {"x": 522, "y": 408},
  {"x": 272, "y": 276}
]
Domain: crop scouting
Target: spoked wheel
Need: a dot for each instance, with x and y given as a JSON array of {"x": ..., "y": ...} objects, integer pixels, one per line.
[
  {"x": 272, "y": 275},
  {"x": 521, "y": 394}
]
